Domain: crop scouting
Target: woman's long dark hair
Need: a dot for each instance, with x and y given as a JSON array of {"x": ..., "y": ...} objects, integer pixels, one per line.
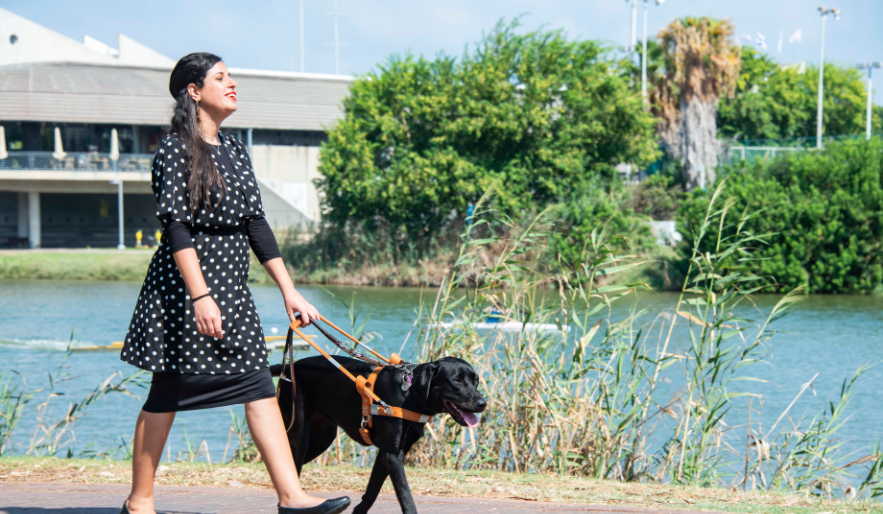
[{"x": 202, "y": 176}]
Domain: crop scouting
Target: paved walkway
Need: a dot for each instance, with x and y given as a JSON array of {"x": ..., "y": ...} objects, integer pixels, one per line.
[{"x": 43, "y": 498}]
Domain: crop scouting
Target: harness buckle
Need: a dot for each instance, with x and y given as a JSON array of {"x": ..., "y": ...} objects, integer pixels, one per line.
[
  {"x": 386, "y": 408},
  {"x": 365, "y": 422}
]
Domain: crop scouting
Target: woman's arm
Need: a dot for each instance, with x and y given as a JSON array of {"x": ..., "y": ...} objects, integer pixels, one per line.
[
  {"x": 294, "y": 302},
  {"x": 263, "y": 242},
  {"x": 208, "y": 316}
]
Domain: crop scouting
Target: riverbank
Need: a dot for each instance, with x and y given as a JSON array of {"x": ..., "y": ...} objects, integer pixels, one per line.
[
  {"x": 435, "y": 482},
  {"x": 86, "y": 264},
  {"x": 131, "y": 265}
]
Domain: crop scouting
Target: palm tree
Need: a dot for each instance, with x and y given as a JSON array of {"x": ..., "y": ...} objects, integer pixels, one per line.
[{"x": 701, "y": 65}]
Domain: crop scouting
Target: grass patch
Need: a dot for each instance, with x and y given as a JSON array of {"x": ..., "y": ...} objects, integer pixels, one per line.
[
  {"x": 109, "y": 265},
  {"x": 436, "y": 482},
  {"x": 75, "y": 265}
]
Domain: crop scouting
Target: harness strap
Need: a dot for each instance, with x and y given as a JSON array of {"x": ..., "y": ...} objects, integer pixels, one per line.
[
  {"x": 398, "y": 412},
  {"x": 365, "y": 387},
  {"x": 289, "y": 346}
]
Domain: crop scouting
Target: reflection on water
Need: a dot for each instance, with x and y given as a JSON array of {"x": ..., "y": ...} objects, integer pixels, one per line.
[{"x": 829, "y": 335}]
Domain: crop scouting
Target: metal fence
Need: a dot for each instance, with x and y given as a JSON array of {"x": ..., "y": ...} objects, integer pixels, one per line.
[
  {"x": 753, "y": 153},
  {"x": 753, "y": 150},
  {"x": 76, "y": 161}
]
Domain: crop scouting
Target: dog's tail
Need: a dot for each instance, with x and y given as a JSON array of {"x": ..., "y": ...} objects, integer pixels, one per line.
[{"x": 276, "y": 370}]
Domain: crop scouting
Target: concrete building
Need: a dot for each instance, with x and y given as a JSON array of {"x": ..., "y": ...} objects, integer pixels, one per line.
[{"x": 81, "y": 121}]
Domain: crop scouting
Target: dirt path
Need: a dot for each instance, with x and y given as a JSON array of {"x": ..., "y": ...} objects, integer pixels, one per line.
[{"x": 43, "y": 498}]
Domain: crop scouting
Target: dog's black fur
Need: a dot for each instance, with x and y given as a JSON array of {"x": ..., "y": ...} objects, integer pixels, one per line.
[{"x": 327, "y": 399}]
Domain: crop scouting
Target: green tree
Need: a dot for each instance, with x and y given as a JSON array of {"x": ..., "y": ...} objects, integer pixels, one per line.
[
  {"x": 421, "y": 139},
  {"x": 775, "y": 102}
]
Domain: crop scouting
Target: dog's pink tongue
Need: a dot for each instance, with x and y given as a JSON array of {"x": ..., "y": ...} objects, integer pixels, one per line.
[{"x": 470, "y": 418}]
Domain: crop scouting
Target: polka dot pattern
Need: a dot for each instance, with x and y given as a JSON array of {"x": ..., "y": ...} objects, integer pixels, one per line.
[{"x": 162, "y": 335}]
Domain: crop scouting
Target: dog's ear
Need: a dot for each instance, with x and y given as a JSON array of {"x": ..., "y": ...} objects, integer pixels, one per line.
[{"x": 423, "y": 376}]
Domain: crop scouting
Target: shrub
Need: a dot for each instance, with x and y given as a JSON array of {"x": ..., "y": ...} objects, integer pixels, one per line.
[
  {"x": 657, "y": 197},
  {"x": 821, "y": 214},
  {"x": 596, "y": 210}
]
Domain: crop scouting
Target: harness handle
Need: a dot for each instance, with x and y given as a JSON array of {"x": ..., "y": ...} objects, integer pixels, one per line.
[
  {"x": 295, "y": 326},
  {"x": 394, "y": 359}
]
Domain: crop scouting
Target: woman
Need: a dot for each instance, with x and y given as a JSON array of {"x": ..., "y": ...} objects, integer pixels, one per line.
[{"x": 195, "y": 325}]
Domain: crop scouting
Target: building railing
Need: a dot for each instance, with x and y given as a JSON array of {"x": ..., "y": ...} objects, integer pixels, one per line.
[{"x": 77, "y": 161}]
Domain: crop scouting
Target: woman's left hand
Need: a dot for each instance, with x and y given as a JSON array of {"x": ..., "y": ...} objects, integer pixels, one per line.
[{"x": 295, "y": 303}]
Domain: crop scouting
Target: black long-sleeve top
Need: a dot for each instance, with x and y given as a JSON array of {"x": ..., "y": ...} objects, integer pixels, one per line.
[
  {"x": 260, "y": 238},
  {"x": 260, "y": 235}
]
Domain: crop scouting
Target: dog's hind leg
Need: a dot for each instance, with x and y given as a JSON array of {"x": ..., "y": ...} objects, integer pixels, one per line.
[
  {"x": 323, "y": 431},
  {"x": 299, "y": 435}
]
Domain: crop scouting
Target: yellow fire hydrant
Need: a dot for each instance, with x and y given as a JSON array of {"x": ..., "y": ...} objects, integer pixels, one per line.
[
  {"x": 138, "y": 235},
  {"x": 158, "y": 236}
]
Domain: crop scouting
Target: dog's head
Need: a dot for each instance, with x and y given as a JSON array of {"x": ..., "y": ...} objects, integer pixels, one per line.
[{"x": 451, "y": 385}]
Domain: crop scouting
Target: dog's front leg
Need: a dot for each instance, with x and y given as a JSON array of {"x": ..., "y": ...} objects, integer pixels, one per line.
[
  {"x": 395, "y": 466},
  {"x": 375, "y": 483}
]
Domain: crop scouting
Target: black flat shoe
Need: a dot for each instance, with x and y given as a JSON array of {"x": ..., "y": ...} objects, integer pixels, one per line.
[
  {"x": 332, "y": 506},
  {"x": 125, "y": 509}
]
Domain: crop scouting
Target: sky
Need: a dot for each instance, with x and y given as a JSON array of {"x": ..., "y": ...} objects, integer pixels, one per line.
[{"x": 264, "y": 34}]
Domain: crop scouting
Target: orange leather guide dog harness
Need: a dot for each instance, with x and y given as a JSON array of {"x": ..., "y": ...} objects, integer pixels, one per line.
[{"x": 365, "y": 386}]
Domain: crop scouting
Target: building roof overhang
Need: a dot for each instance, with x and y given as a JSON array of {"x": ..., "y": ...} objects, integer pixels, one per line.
[{"x": 113, "y": 94}]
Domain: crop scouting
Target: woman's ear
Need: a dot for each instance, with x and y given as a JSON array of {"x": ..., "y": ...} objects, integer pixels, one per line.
[
  {"x": 423, "y": 378},
  {"x": 193, "y": 91}
]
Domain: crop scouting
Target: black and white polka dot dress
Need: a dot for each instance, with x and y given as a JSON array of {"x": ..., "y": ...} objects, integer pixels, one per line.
[{"x": 162, "y": 336}]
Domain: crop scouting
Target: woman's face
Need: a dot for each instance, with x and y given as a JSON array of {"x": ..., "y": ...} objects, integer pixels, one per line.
[{"x": 217, "y": 97}]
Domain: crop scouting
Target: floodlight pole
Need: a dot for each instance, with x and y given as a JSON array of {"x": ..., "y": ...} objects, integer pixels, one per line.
[
  {"x": 870, "y": 66},
  {"x": 819, "y": 120},
  {"x": 301, "y": 36},
  {"x": 633, "y": 41},
  {"x": 644, "y": 58},
  {"x": 336, "y": 43}
]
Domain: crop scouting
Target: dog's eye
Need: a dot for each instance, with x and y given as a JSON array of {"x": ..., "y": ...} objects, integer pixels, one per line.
[{"x": 458, "y": 381}]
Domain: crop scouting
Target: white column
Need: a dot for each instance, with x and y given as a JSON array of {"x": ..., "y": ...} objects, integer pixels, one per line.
[
  {"x": 22, "y": 215},
  {"x": 121, "y": 245},
  {"x": 34, "y": 219}
]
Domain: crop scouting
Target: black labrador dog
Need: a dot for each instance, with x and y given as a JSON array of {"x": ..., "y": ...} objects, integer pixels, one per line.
[{"x": 326, "y": 399}]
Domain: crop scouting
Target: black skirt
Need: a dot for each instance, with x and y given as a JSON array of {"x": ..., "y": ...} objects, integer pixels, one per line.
[{"x": 171, "y": 391}]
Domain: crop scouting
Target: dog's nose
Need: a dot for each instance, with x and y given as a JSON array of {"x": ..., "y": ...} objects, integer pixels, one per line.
[{"x": 481, "y": 404}]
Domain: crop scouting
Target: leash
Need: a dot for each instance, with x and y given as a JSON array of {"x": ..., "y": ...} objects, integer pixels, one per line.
[{"x": 365, "y": 386}]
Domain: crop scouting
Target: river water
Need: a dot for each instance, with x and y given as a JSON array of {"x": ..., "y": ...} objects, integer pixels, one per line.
[{"x": 828, "y": 335}]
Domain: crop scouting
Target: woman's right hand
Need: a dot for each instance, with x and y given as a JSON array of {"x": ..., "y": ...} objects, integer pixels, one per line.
[{"x": 208, "y": 317}]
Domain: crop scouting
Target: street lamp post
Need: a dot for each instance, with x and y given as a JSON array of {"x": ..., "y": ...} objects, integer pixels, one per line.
[
  {"x": 824, "y": 12},
  {"x": 869, "y": 66},
  {"x": 634, "y": 38},
  {"x": 644, "y": 54}
]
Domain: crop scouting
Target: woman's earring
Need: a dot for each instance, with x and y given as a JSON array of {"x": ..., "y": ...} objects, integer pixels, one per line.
[{"x": 197, "y": 103}]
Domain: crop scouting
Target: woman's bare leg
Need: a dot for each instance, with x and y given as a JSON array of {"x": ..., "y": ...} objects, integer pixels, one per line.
[
  {"x": 268, "y": 432},
  {"x": 151, "y": 432}
]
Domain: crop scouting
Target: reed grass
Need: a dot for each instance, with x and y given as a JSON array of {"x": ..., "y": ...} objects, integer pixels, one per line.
[
  {"x": 628, "y": 399},
  {"x": 54, "y": 433}
]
